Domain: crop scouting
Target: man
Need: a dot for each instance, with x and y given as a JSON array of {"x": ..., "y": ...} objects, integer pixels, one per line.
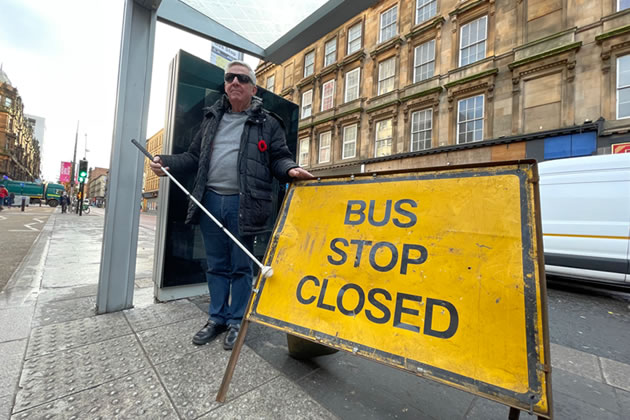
[
  {"x": 65, "y": 200},
  {"x": 238, "y": 149},
  {"x": 4, "y": 193}
]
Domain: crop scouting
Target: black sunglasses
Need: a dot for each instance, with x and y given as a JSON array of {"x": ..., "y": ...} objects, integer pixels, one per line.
[{"x": 242, "y": 78}]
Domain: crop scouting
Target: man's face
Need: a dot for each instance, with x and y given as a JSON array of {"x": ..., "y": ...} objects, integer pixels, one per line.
[{"x": 239, "y": 92}]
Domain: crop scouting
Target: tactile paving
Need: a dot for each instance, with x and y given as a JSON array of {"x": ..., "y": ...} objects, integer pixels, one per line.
[
  {"x": 171, "y": 341},
  {"x": 137, "y": 396},
  {"x": 53, "y": 312},
  {"x": 161, "y": 314},
  {"x": 193, "y": 380},
  {"x": 68, "y": 371},
  {"x": 66, "y": 335}
]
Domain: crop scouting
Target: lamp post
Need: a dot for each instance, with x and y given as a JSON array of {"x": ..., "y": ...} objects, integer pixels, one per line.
[{"x": 74, "y": 160}]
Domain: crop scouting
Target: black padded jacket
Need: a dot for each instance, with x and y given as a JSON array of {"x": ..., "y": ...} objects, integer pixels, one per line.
[{"x": 263, "y": 154}]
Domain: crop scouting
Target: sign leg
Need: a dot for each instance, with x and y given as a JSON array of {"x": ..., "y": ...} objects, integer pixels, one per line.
[
  {"x": 515, "y": 413},
  {"x": 229, "y": 371}
]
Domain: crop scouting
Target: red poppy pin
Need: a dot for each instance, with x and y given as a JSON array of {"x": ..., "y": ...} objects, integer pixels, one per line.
[{"x": 262, "y": 145}]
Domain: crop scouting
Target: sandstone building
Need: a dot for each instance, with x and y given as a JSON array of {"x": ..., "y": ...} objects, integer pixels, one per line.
[
  {"x": 97, "y": 185},
  {"x": 151, "y": 181},
  {"x": 416, "y": 83},
  {"x": 19, "y": 150}
]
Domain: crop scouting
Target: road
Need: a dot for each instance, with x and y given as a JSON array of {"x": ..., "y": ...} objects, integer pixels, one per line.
[{"x": 18, "y": 231}]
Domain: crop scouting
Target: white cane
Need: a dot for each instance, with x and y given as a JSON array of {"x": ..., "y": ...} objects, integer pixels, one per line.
[{"x": 265, "y": 270}]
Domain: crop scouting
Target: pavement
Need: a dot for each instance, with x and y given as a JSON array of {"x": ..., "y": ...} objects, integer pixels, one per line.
[{"x": 60, "y": 360}]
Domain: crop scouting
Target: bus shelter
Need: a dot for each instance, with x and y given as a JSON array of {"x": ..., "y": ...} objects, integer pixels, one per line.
[{"x": 266, "y": 30}]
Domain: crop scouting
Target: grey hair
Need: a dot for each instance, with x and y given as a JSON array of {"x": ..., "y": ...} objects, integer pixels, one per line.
[{"x": 251, "y": 74}]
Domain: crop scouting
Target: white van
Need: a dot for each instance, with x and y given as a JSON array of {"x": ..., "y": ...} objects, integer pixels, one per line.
[{"x": 586, "y": 217}]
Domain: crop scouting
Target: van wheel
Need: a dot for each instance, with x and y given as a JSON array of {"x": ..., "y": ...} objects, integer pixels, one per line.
[{"x": 53, "y": 203}]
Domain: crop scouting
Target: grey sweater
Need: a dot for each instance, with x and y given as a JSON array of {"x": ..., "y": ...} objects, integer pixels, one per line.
[{"x": 223, "y": 173}]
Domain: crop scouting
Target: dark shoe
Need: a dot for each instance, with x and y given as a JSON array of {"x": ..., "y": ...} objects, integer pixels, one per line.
[
  {"x": 230, "y": 337},
  {"x": 208, "y": 333}
]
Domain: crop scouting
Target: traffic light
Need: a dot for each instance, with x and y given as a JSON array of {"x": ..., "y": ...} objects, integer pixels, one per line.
[{"x": 83, "y": 166}]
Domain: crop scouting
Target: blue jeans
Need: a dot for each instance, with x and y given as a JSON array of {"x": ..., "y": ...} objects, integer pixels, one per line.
[{"x": 229, "y": 268}]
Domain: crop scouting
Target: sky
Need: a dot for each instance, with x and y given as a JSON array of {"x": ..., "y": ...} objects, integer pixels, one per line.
[{"x": 63, "y": 55}]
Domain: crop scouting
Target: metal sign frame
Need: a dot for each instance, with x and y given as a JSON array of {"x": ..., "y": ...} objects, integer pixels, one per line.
[{"x": 534, "y": 289}]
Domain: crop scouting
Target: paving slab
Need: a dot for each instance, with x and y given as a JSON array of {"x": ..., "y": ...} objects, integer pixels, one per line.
[
  {"x": 5, "y": 406},
  {"x": 576, "y": 362},
  {"x": 66, "y": 293},
  {"x": 616, "y": 374},
  {"x": 592, "y": 393},
  {"x": 67, "y": 335},
  {"x": 53, "y": 312},
  {"x": 193, "y": 380},
  {"x": 66, "y": 372},
  {"x": 161, "y": 314},
  {"x": 485, "y": 409},
  {"x": 18, "y": 297},
  {"x": 272, "y": 347},
  {"x": 278, "y": 399},
  {"x": 143, "y": 297},
  {"x": 70, "y": 276},
  {"x": 12, "y": 354},
  {"x": 143, "y": 282},
  {"x": 569, "y": 408},
  {"x": 172, "y": 341},
  {"x": 353, "y": 387},
  {"x": 137, "y": 396},
  {"x": 15, "y": 322},
  {"x": 623, "y": 398}
]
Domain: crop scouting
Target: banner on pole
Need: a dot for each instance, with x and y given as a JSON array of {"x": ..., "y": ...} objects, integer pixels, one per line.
[{"x": 64, "y": 173}]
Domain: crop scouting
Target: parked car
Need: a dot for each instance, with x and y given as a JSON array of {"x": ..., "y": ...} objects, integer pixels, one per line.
[{"x": 586, "y": 217}]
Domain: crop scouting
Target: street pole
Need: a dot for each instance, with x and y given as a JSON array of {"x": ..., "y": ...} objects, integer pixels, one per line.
[
  {"x": 81, "y": 200},
  {"x": 74, "y": 160}
]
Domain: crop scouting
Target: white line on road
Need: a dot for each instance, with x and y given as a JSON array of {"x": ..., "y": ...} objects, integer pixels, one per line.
[
  {"x": 40, "y": 221},
  {"x": 3, "y": 218}
]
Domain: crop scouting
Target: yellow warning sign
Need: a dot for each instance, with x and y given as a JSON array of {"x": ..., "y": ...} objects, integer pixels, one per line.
[{"x": 436, "y": 272}]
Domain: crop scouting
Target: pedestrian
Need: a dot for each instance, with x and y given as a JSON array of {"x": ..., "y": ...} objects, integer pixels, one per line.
[
  {"x": 235, "y": 153},
  {"x": 65, "y": 201},
  {"x": 4, "y": 193},
  {"x": 11, "y": 199}
]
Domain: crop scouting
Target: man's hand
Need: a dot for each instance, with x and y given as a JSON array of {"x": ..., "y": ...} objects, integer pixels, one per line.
[
  {"x": 156, "y": 166},
  {"x": 299, "y": 173}
]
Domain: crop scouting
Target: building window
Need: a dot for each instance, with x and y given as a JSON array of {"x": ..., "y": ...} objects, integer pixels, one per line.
[
  {"x": 386, "y": 75},
  {"x": 388, "y": 24},
  {"x": 271, "y": 82},
  {"x": 472, "y": 41},
  {"x": 349, "y": 142},
  {"x": 8, "y": 101},
  {"x": 383, "y": 146},
  {"x": 623, "y": 87},
  {"x": 354, "y": 38},
  {"x": 324, "y": 147},
  {"x": 623, "y": 5},
  {"x": 328, "y": 95},
  {"x": 352, "y": 84},
  {"x": 424, "y": 61},
  {"x": 304, "y": 148},
  {"x": 421, "y": 130},
  {"x": 309, "y": 63},
  {"x": 470, "y": 120},
  {"x": 330, "y": 54},
  {"x": 288, "y": 76},
  {"x": 307, "y": 103},
  {"x": 425, "y": 10}
]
